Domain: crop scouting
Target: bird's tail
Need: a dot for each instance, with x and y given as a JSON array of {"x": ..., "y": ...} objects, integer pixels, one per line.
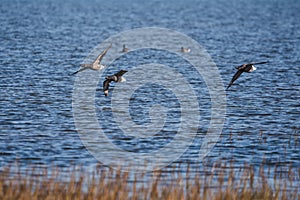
[{"x": 122, "y": 79}]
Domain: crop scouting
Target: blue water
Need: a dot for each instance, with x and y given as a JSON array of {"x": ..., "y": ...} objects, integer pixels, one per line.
[{"x": 42, "y": 43}]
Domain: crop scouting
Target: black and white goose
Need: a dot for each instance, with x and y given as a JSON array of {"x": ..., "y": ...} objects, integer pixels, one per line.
[
  {"x": 96, "y": 65},
  {"x": 118, "y": 77},
  {"x": 244, "y": 68}
]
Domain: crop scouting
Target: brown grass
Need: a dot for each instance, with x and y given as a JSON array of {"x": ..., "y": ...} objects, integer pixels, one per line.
[{"x": 221, "y": 182}]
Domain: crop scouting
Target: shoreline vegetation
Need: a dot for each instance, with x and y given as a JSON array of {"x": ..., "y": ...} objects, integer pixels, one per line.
[{"x": 219, "y": 182}]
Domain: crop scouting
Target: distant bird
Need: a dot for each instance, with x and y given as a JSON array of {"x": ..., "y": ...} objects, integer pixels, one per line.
[
  {"x": 118, "y": 77},
  {"x": 96, "y": 65},
  {"x": 244, "y": 68},
  {"x": 125, "y": 49},
  {"x": 185, "y": 50}
]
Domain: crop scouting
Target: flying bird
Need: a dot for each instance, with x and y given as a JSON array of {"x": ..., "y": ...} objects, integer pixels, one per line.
[
  {"x": 244, "y": 68},
  {"x": 96, "y": 65},
  {"x": 118, "y": 77}
]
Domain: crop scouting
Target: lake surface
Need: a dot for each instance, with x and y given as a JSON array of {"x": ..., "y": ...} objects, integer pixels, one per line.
[{"x": 43, "y": 43}]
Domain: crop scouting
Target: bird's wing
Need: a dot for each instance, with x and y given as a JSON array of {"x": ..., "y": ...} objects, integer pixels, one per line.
[
  {"x": 236, "y": 76},
  {"x": 120, "y": 73},
  {"x": 106, "y": 84},
  {"x": 81, "y": 69},
  {"x": 258, "y": 63},
  {"x": 101, "y": 55}
]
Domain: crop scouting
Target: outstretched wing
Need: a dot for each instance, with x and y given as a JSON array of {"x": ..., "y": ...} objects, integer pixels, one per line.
[
  {"x": 120, "y": 73},
  {"x": 81, "y": 69},
  {"x": 101, "y": 55},
  {"x": 258, "y": 63},
  {"x": 106, "y": 86},
  {"x": 236, "y": 76}
]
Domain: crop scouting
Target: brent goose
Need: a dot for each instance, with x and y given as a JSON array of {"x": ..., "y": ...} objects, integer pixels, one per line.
[
  {"x": 185, "y": 50},
  {"x": 96, "y": 65},
  {"x": 244, "y": 68},
  {"x": 118, "y": 77},
  {"x": 125, "y": 49}
]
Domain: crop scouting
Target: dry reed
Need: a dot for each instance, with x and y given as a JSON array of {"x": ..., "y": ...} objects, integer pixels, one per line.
[{"x": 221, "y": 182}]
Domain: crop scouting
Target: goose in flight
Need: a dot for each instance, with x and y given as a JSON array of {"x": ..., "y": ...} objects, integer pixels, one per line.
[
  {"x": 118, "y": 77},
  {"x": 96, "y": 65},
  {"x": 244, "y": 68}
]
